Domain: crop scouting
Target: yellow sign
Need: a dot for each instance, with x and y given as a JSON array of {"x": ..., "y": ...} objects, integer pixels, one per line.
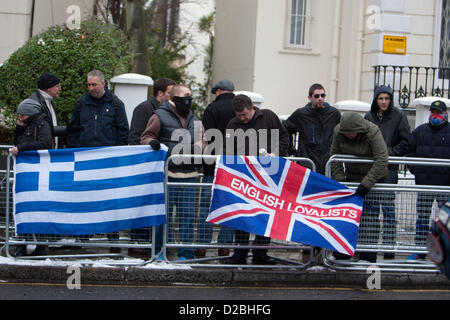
[{"x": 394, "y": 45}]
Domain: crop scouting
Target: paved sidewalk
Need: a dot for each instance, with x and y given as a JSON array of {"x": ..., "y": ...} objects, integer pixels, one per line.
[
  {"x": 166, "y": 273},
  {"x": 134, "y": 268}
]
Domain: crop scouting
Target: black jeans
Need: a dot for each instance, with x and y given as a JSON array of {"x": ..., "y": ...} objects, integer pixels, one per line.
[{"x": 242, "y": 238}]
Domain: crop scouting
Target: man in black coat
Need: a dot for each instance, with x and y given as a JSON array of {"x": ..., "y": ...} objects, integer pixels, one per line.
[
  {"x": 250, "y": 118},
  {"x": 430, "y": 140},
  {"x": 143, "y": 112},
  {"x": 141, "y": 115},
  {"x": 216, "y": 116},
  {"x": 314, "y": 123},
  {"x": 395, "y": 130}
]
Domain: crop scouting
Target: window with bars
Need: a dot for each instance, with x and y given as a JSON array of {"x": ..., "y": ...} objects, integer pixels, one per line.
[
  {"x": 298, "y": 23},
  {"x": 444, "y": 44}
]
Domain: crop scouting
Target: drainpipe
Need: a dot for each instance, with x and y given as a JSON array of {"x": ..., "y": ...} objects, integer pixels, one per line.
[
  {"x": 335, "y": 51},
  {"x": 33, "y": 2}
]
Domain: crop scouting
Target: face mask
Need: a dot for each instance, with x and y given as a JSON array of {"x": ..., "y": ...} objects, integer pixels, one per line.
[
  {"x": 438, "y": 118},
  {"x": 182, "y": 105}
]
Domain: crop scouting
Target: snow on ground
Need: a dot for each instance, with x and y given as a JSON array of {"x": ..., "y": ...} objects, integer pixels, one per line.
[{"x": 100, "y": 263}]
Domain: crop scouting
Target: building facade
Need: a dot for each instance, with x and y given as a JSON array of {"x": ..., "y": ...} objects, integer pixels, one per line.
[
  {"x": 279, "y": 48},
  {"x": 22, "y": 19}
]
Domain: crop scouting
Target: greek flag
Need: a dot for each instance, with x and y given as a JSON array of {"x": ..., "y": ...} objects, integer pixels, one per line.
[{"x": 88, "y": 190}]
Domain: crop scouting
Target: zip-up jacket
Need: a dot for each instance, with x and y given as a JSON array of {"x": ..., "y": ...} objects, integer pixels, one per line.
[
  {"x": 104, "y": 121},
  {"x": 315, "y": 128}
]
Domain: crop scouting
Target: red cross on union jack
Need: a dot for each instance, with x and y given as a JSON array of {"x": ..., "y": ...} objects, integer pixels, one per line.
[{"x": 288, "y": 203}]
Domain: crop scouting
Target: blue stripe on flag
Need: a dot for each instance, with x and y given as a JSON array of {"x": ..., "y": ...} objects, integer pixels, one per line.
[
  {"x": 93, "y": 228},
  {"x": 64, "y": 181},
  {"x": 67, "y": 156},
  {"x": 119, "y": 161},
  {"x": 91, "y": 206}
]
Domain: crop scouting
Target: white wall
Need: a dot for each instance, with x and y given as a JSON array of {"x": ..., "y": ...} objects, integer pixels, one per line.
[
  {"x": 234, "y": 46},
  {"x": 15, "y": 18},
  {"x": 343, "y": 48},
  {"x": 190, "y": 14},
  {"x": 14, "y": 26}
]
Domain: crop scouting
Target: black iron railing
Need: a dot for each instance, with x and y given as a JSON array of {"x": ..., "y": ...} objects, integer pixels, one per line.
[{"x": 411, "y": 82}]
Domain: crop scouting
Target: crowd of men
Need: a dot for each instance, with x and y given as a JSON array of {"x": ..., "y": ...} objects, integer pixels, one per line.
[{"x": 99, "y": 119}]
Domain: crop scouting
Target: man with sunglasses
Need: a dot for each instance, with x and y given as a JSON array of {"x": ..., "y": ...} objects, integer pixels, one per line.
[{"x": 314, "y": 124}]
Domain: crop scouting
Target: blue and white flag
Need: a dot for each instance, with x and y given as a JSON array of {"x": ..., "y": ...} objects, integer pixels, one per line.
[{"x": 89, "y": 190}]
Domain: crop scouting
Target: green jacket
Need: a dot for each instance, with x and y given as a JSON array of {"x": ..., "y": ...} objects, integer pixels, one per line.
[{"x": 368, "y": 143}]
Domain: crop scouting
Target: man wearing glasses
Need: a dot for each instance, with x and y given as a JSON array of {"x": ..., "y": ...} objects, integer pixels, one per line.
[{"x": 314, "y": 123}]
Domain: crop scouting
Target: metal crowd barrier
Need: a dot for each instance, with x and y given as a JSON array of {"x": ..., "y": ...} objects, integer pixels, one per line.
[
  {"x": 4, "y": 151},
  {"x": 92, "y": 246},
  {"x": 381, "y": 234},
  {"x": 388, "y": 225},
  {"x": 192, "y": 234}
]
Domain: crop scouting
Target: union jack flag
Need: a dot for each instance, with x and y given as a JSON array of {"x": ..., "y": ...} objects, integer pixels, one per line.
[{"x": 280, "y": 199}]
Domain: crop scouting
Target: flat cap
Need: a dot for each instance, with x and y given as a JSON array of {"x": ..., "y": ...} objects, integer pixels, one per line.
[{"x": 223, "y": 85}]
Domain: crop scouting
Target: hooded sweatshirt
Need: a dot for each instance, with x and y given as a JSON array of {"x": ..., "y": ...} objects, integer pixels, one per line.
[
  {"x": 368, "y": 143},
  {"x": 393, "y": 124}
]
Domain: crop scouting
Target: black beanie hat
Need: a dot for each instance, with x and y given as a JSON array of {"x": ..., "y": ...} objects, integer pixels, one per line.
[{"x": 47, "y": 80}]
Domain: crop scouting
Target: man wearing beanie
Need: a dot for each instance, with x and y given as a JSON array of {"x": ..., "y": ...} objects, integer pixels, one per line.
[{"x": 48, "y": 88}]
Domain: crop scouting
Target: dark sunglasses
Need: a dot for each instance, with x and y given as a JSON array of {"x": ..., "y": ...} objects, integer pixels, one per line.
[{"x": 316, "y": 96}]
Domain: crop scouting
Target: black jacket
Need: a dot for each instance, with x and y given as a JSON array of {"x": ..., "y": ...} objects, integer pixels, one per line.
[
  {"x": 36, "y": 135},
  {"x": 104, "y": 121},
  {"x": 262, "y": 119},
  {"x": 393, "y": 124},
  {"x": 141, "y": 115},
  {"x": 428, "y": 141},
  {"x": 216, "y": 116},
  {"x": 315, "y": 128}
]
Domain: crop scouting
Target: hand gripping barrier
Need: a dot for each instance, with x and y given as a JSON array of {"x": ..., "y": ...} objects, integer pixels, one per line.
[{"x": 395, "y": 220}]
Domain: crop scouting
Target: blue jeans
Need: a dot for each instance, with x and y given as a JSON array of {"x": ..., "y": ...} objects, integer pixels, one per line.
[
  {"x": 388, "y": 208},
  {"x": 182, "y": 199},
  {"x": 204, "y": 234},
  {"x": 424, "y": 206},
  {"x": 369, "y": 227}
]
